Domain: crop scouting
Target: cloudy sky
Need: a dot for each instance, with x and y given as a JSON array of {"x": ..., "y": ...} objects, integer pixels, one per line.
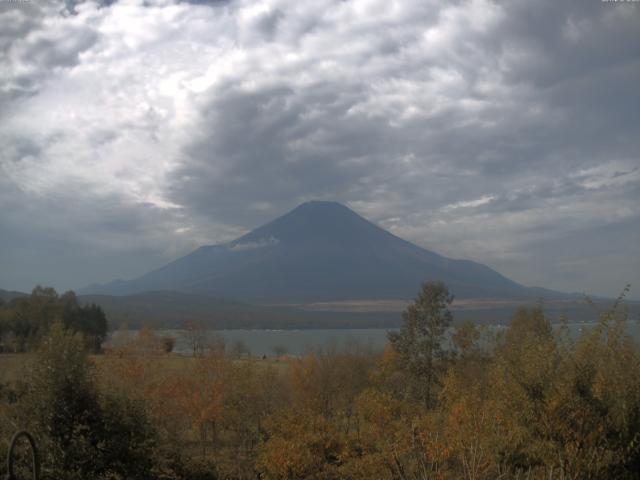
[{"x": 504, "y": 132}]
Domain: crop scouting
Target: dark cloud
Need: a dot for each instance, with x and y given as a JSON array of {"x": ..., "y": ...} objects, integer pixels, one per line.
[
  {"x": 260, "y": 147},
  {"x": 505, "y": 132},
  {"x": 72, "y": 237},
  {"x": 34, "y": 43}
]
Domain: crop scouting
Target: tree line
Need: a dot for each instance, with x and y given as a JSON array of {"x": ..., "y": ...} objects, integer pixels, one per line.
[
  {"x": 530, "y": 402},
  {"x": 26, "y": 321}
]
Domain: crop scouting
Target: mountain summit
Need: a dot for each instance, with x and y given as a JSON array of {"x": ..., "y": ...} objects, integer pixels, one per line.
[{"x": 319, "y": 251}]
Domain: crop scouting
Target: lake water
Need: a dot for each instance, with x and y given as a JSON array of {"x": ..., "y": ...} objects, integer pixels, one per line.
[
  {"x": 299, "y": 342},
  {"x": 291, "y": 342}
]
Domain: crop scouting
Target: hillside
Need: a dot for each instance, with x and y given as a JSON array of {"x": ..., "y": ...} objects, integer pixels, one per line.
[
  {"x": 171, "y": 309},
  {"x": 320, "y": 251},
  {"x": 167, "y": 309},
  {"x": 8, "y": 295}
]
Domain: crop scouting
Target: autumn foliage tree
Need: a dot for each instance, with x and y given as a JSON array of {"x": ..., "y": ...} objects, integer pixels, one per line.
[
  {"x": 528, "y": 400},
  {"x": 28, "y": 319},
  {"x": 419, "y": 341},
  {"x": 82, "y": 433}
]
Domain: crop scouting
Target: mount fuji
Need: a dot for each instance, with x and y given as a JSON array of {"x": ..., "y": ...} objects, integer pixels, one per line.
[{"x": 318, "y": 252}]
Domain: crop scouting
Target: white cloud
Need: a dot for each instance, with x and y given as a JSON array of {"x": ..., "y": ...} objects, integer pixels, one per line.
[
  {"x": 261, "y": 243},
  {"x": 470, "y": 203},
  {"x": 199, "y": 122}
]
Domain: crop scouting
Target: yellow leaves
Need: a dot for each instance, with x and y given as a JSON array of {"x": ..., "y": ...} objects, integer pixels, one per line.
[
  {"x": 396, "y": 434},
  {"x": 431, "y": 432},
  {"x": 465, "y": 337},
  {"x": 378, "y": 408},
  {"x": 288, "y": 459},
  {"x": 182, "y": 394},
  {"x": 301, "y": 445},
  {"x": 199, "y": 392},
  {"x": 600, "y": 385},
  {"x": 472, "y": 424},
  {"x": 530, "y": 405},
  {"x": 389, "y": 355}
]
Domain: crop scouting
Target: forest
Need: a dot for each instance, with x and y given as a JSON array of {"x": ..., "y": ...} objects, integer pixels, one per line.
[
  {"x": 528, "y": 402},
  {"x": 26, "y": 320}
]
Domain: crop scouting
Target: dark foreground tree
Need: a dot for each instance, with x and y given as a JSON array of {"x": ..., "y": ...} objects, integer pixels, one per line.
[
  {"x": 28, "y": 319},
  {"x": 90, "y": 320},
  {"x": 83, "y": 434},
  {"x": 419, "y": 341}
]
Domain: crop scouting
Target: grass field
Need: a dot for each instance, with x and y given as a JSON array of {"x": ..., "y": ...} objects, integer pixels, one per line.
[{"x": 12, "y": 366}]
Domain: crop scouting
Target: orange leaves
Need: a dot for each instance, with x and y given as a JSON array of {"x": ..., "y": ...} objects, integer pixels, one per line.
[
  {"x": 182, "y": 394},
  {"x": 288, "y": 459},
  {"x": 301, "y": 445},
  {"x": 533, "y": 404},
  {"x": 198, "y": 390},
  {"x": 379, "y": 408}
]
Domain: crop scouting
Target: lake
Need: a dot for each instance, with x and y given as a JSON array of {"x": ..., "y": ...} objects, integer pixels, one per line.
[{"x": 299, "y": 342}]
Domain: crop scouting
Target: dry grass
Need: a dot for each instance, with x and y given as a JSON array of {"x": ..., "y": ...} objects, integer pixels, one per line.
[
  {"x": 12, "y": 366},
  {"x": 397, "y": 306}
]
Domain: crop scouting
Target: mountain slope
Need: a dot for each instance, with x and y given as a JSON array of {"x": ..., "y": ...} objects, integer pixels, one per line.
[
  {"x": 171, "y": 309},
  {"x": 319, "y": 251},
  {"x": 7, "y": 295}
]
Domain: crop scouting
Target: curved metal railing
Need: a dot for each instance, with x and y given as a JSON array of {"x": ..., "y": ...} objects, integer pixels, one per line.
[{"x": 35, "y": 460}]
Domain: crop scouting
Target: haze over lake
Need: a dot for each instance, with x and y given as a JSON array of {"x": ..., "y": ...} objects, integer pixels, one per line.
[{"x": 301, "y": 342}]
